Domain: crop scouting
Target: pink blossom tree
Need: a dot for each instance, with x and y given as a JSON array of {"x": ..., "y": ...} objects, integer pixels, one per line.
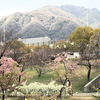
[
  {"x": 9, "y": 75},
  {"x": 70, "y": 67}
]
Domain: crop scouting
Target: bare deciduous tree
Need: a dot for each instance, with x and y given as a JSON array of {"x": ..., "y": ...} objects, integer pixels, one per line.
[
  {"x": 5, "y": 36},
  {"x": 89, "y": 58},
  {"x": 39, "y": 59}
]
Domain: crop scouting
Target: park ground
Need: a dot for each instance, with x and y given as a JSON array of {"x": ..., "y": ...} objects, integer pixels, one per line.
[
  {"x": 76, "y": 96},
  {"x": 77, "y": 83}
]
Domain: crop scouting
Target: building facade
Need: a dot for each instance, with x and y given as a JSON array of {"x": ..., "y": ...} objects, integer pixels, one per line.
[{"x": 36, "y": 41}]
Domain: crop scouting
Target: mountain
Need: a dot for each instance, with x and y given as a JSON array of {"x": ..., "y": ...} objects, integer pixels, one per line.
[
  {"x": 92, "y": 16},
  {"x": 47, "y": 21}
]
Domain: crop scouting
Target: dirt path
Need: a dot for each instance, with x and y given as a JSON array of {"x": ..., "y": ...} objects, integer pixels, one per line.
[
  {"x": 77, "y": 96},
  {"x": 82, "y": 98},
  {"x": 84, "y": 94}
]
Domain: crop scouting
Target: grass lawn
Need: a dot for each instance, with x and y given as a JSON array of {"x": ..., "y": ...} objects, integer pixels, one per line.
[{"x": 77, "y": 82}]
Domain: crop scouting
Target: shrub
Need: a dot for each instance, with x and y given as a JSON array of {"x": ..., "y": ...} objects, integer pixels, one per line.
[
  {"x": 39, "y": 88},
  {"x": 97, "y": 95}
]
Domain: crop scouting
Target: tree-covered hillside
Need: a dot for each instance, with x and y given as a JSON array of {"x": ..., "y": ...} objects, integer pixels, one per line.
[
  {"x": 54, "y": 22},
  {"x": 46, "y": 21},
  {"x": 84, "y": 14}
]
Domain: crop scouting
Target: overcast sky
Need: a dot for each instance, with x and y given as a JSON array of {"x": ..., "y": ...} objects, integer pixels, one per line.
[{"x": 8, "y": 7}]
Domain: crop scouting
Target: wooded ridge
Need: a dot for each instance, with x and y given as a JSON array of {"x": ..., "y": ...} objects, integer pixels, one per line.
[{"x": 54, "y": 22}]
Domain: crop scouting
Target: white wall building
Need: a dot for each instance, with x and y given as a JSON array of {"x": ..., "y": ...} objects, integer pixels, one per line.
[{"x": 36, "y": 41}]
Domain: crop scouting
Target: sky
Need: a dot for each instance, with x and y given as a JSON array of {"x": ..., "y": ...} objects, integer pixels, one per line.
[{"x": 8, "y": 7}]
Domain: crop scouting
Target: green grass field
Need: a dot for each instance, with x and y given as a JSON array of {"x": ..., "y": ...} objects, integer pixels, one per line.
[{"x": 77, "y": 82}]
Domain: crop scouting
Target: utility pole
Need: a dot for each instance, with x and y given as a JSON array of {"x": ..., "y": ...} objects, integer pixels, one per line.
[
  {"x": 87, "y": 17},
  {"x": 4, "y": 34}
]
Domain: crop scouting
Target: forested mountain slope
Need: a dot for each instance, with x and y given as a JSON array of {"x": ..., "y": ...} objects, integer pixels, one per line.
[
  {"x": 46, "y": 21},
  {"x": 92, "y": 16}
]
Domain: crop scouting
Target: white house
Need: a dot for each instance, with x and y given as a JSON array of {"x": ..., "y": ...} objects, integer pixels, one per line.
[
  {"x": 36, "y": 41},
  {"x": 73, "y": 55}
]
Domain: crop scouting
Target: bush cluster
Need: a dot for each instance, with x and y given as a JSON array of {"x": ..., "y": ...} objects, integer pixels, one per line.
[
  {"x": 97, "y": 95},
  {"x": 39, "y": 88}
]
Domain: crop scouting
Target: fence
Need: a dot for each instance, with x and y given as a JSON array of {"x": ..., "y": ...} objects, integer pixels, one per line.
[{"x": 95, "y": 82}]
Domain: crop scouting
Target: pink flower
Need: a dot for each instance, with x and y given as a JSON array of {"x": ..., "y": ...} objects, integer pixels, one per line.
[
  {"x": 60, "y": 75},
  {"x": 20, "y": 65},
  {"x": 30, "y": 76}
]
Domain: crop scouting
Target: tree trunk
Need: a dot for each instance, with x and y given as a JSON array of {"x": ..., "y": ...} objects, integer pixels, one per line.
[
  {"x": 21, "y": 72},
  {"x": 3, "y": 53},
  {"x": 15, "y": 55},
  {"x": 19, "y": 78},
  {"x": 3, "y": 96},
  {"x": 89, "y": 71},
  {"x": 61, "y": 91},
  {"x": 39, "y": 73}
]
